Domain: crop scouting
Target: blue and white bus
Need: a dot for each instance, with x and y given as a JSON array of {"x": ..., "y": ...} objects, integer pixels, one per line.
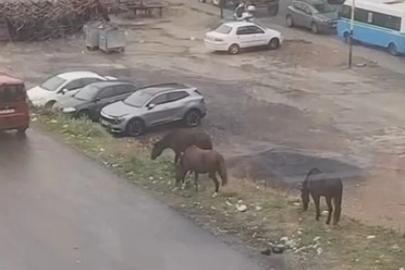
[{"x": 376, "y": 22}]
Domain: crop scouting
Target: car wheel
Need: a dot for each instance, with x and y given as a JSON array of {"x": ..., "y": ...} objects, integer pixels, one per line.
[
  {"x": 393, "y": 49},
  {"x": 314, "y": 28},
  {"x": 135, "y": 128},
  {"x": 272, "y": 9},
  {"x": 289, "y": 21},
  {"x": 49, "y": 105},
  {"x": 84, "y": 115},
  {"x": 274, "y": 43},
  {"x": 192, "y": 118},
  {"x": 22, "y": 130},
  {"x": 234, "y": 49}
]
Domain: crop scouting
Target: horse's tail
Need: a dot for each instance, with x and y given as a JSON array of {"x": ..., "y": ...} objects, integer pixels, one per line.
[
  {"x": 222, "y": 169},
  {"x": 338, "y": 203}
]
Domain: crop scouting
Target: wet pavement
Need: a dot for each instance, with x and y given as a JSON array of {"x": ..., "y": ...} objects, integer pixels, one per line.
[{"x": 60, "y": 210}]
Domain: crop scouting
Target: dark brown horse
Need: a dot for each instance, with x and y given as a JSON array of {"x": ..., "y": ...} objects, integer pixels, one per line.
[
  {"x": 178, "y": 140},
  {"x": 202, "y": 161},
  {"x": 331, "y": 189}
]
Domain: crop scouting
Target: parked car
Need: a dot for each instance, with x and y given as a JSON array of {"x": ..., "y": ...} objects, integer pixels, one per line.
[
  {"x": 154, "y": 105},
  {"x": 272, "y": 6},
  {"x": 14, "y": 112},
  {"x": 62, "y": 86},
  {"x": 89, "y": 101},
  {"x": 234, "y": 36},
  {"x": 316, "y": 15}
]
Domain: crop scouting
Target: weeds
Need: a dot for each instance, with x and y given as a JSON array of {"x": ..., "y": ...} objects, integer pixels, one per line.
[{"x": 270, "y": 214}]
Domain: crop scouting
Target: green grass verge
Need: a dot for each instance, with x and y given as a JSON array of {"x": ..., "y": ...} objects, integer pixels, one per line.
[{"x": 270, "y": 214}]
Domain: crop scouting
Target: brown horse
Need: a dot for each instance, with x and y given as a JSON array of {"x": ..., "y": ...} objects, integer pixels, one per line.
[
  {"x": 178, "y": 140},
  {"x": 328, "y": 188},
  {"x": 202, "y": 161}
]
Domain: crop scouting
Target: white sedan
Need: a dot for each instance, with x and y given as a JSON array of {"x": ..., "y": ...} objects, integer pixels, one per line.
[
  {"x": 234, "y": 36},
  {"x": 62, "y": 86}
]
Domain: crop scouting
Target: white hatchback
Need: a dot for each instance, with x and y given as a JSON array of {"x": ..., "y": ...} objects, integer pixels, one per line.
[
  {"x": 62, "y": 86},
  {"x": 234, "y": 36}
]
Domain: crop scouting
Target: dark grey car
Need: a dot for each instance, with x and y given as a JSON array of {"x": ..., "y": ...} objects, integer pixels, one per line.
[{"x": 316, "y": 15}]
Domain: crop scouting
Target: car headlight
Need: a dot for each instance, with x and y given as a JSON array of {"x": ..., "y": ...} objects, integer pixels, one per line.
[
  {"x": 69, "y": 110},
  {"x": 119, "y": 120}
]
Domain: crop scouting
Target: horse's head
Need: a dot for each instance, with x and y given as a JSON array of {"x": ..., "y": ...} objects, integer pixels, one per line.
[{"x": 157, "y": 150}]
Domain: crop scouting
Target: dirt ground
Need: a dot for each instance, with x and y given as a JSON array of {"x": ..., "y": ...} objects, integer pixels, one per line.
[{"x": 275, "y": 114}]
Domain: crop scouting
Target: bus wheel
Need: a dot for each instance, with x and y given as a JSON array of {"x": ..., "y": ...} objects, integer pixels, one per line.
[
  {"x": 393, "y": 49},
  {"x": 346, "y": 37}
]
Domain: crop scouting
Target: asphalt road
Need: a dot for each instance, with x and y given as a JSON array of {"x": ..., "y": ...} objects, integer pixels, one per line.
[{"x": 60, "y": 210}]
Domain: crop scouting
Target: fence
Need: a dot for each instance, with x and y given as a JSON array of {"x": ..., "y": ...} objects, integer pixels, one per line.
[{"x": 39, "y": 20}]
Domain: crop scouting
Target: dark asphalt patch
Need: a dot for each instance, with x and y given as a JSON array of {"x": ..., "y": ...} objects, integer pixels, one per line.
[{"x": 286, "y": 168}]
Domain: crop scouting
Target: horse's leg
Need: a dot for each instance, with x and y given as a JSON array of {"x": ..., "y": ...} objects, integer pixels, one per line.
[
  {"x": 316, "y": 199},
  {"x": 330, "y": 208},
  {"x": 176, "y": 158},
  {"x": 196, "y": 181},
  {"x": 215, "y": 179},
  {"x": 338, "y": 210}
]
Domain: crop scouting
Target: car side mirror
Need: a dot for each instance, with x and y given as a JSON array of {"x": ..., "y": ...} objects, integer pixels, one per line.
[
  {"x": 64, "y": 91},
  {"x": 151, "y": 106}
]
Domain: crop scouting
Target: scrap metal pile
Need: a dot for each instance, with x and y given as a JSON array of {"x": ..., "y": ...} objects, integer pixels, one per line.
[{"x": 43, "y": 19}]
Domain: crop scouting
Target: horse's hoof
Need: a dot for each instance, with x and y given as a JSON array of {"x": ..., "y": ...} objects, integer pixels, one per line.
[{"x": 214, "y": 195}]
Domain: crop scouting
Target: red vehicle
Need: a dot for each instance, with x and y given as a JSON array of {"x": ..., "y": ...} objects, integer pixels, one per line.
[{"x": 14, "y": 108}]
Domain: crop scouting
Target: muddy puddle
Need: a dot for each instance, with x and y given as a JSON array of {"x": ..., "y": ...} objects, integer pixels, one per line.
[{"x": 280, "y": 167}]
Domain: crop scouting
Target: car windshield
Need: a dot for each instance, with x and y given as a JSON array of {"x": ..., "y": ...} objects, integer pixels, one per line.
[
  {"x": 138, "y": 99},
  {"x": 87, "y": 93},
  {"x": 323, "y": 8},
  {"x": 223, "y": 29},
  {"x": 53, "y": 83}
]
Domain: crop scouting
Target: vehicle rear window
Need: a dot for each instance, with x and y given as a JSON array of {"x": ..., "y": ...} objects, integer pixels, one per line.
[
  {"x": 52, "y": 83},
  {"x": 12, "y": 93},
  {"x": 223, "y": 29}
]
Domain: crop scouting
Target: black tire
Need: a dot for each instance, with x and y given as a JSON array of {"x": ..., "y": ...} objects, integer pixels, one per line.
[
  {"x": 49, "y": 105},
  {"x": 192, "y": 118},
  {"x": 393, "y": 49},
  {"x": 274, "y": 44},
  {"x": 346, "y": 37},
  {"x": 135, "y": 128},
  {"x": 314, "y": 28},
  {"x": 289, "y": 21},
  {"x": 273, "y": 9},
  {"x": 84, "y": 115},
  {"x": 21, "y": 130},
  {"x": 234, "y": 49}
]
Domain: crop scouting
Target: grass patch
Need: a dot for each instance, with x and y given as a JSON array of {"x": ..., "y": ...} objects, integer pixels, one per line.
[{"x": 270, "y": 214}]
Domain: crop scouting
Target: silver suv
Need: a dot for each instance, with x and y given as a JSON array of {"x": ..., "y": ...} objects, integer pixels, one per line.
[{"x": 154, "y": 105}]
